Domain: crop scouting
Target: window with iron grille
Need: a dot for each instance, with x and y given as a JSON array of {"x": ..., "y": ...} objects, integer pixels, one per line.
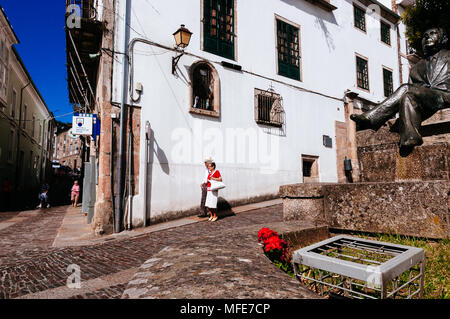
[
  {"x": 218, "y": 27},
  {"x": 362, "y": 73},
  {"x": 203, "y": 88},
  {"x": 268, "y": 108},
  {"x": 388, "y": 83},
  {"x": 385, "y": 33},
  {"x": 360, "y": 18},
  {"x": 288, "y": 50}
]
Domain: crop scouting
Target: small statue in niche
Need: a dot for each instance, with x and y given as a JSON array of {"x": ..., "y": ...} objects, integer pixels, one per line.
[{"x": 427, "y": 92}]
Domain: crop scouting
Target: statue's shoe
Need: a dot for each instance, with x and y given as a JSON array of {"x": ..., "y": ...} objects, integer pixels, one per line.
[
  {"x": 364, "y": 122},
  {"x": 411, "y": 142}
]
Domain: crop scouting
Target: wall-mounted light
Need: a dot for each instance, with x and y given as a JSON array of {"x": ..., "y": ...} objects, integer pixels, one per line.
[
  {"x": 182, "y": 38},
  {"x": 95, "y": 55}
]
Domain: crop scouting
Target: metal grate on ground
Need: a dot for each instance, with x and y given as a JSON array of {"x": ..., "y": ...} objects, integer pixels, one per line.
[{"x": 349, "y": 267}]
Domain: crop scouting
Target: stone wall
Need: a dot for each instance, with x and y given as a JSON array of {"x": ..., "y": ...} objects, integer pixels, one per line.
[{"x": 408, "y": 208}]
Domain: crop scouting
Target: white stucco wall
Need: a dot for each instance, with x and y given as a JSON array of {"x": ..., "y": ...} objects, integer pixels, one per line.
[{"x": 329, "y": 42}]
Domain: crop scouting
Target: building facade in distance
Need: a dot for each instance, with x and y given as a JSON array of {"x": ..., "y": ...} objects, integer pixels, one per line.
[
  {"x": 26, "y": 124},
  {"x": 67, "y": 150}
]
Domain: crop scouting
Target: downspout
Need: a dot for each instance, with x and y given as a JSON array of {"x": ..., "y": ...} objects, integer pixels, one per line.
[
  {"x": 42, "y": 176},
  {"x": 18, "y": 135},
  {"x": 118, "y": 220}
]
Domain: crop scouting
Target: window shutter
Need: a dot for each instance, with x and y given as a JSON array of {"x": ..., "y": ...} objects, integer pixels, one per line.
[
  {"x": 218, "y": 26},
  {"x": 288, "y": 50}
]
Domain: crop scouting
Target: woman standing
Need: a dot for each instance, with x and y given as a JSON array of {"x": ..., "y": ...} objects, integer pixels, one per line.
[
  {"x": 211, "y": 197},
  {"x": 75, "y": 194}
]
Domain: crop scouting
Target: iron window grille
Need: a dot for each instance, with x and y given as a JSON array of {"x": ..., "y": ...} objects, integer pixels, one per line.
[
  {"x": 385, "y": 33},
  {"x": 268, "y": 108},
  {"x": 203, "y": 88},
  {"x": 388, "y": 83},
  {"x": 360, "y": 18},
  {"x": 218, "y": 27},
  {"x": 288, "y": 50},
  {"x": 362, "y": 73}
]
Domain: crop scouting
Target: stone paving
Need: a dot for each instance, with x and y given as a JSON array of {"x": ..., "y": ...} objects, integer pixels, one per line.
[{"x": 30, "y": 265}]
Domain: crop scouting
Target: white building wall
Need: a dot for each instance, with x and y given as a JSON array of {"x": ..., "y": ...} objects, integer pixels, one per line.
[{"x": 329, "y": 42}]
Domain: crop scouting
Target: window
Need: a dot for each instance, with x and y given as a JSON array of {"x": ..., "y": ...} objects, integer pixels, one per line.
[
  {"x": 360, "y": 18},
  {"x": 288, "y": 47},
  {"x": 385, "y": 33},
  {"x": 203, "y": 87},
  {"x": 362, "y": 73},
  {"x": 310, "y": 169},
  {"x": 388, "y": 83},
  {"x": 268, "y": 108},
  {"x": 40, "y": 133},
  {"x": 13, "y": 104},
  {"x": 33, "y": 124},
  {"x": 31, "y": 160},
  {"x": 4, "y": 56},
  {"x": 307, "y": 167},
  {"x": 24, "y": 123},
  {"x": 205, "y": 92},
  {"x": 218, "y": 27},
  {"x": 11, "y": 145}
]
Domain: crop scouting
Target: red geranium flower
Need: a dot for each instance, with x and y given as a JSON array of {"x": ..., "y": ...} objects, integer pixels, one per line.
[
  {"x": 273, "y": 243},
  {"x": 265, "y": 233}
]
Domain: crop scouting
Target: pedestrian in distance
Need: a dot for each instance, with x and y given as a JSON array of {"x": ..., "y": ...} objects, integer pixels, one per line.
[
  {"x": 212, "y": 195},
  {"x": 43, "y": 200},
  {"x": 203, "y": 186},
  {"x": 75, "y": 194},
  {"x": 43, "y": 197}
]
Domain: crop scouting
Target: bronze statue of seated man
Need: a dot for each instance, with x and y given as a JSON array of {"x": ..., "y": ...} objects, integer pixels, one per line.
[{"x": 427, "y": 92}]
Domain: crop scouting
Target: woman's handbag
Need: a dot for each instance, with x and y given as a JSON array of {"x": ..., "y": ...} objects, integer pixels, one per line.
[{"x": 215, "y": 185}]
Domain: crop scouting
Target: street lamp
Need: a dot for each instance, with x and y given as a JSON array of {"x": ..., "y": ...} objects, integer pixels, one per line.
[{"x": 182, "y": 38}]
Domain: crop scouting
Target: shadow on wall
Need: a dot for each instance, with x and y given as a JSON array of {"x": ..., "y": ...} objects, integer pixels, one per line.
[
  {"x": 320, "y": 19},
  {"x": 152, "y": 149}
]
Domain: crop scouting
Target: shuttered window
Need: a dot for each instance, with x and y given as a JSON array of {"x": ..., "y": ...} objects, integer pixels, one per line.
[
  {"x": 288, "y": 50},
  {"x": 362, "y": 73},
  {"x": 218, "y": 26},
  {"x": 360, "y": 18},
  {"x": 385, "y": 33},
  {"x": 388, "y": 83}
]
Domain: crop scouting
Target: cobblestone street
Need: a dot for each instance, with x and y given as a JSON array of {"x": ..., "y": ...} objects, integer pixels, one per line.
[{"x": 31, "y": 267}]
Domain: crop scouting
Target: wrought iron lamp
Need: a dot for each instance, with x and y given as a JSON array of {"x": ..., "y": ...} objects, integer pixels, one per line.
[{"x": 182, "y": 38}]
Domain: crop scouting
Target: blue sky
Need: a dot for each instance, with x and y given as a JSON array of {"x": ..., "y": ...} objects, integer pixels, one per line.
[{"x": 39, "y": 25}]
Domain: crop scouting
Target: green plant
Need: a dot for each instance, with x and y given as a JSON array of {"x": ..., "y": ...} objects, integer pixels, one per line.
[{"x": 437, "y": 261}]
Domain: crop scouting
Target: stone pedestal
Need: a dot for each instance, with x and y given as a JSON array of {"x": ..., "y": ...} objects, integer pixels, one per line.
[
  {"x": 303, "y": 202},
  {"x": 398, "y": 194},
  {"x": 419, "y": 208}
]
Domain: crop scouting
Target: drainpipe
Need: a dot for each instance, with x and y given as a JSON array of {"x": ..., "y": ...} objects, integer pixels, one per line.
[
  {"x": 18, "y": 135},
  {"x": 118, "y": 220}
]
